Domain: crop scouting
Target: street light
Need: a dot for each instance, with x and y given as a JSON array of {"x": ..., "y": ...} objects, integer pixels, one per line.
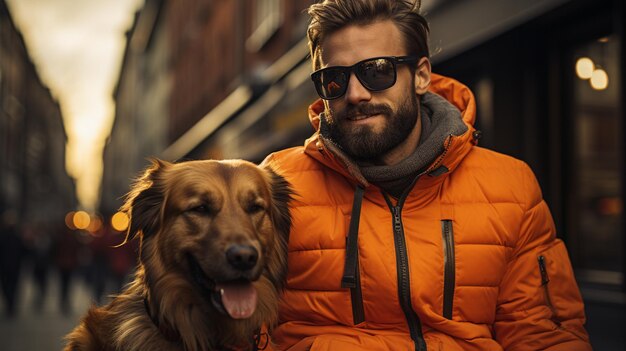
[{"x": 584, "y": 68}]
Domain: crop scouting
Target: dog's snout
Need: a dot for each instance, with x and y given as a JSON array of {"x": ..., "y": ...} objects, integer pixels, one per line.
[{"x": 242, "y": 257}]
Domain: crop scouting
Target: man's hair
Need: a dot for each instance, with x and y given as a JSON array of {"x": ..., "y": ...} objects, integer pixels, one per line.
[{"x": 332, "y": 15}]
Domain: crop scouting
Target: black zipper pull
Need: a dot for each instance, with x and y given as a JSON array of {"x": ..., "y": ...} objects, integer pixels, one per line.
[
  {"x": 397, "y": 223},
  {"x": 349, "y": 278},
  {"x": 542, "y": 268}
]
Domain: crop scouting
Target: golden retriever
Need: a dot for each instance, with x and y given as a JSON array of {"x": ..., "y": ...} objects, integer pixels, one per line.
[{"x": 213, "y": 261}]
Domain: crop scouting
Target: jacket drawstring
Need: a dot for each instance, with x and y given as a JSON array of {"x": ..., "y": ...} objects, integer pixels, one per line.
[{"x": 352, "y": 250}]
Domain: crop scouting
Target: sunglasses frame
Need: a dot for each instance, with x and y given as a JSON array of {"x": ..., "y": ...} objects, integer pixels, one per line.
[{"x": 348, "y": 70}]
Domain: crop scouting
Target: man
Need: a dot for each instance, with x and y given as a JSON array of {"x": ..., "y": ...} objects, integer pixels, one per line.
[{"x": 407, "y": 235}]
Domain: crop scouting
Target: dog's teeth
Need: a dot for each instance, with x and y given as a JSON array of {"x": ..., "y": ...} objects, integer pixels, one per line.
[{"x": 222, "y": 292}]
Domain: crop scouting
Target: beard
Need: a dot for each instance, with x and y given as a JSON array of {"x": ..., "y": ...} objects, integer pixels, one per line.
[{"x": 361, "y": 143}]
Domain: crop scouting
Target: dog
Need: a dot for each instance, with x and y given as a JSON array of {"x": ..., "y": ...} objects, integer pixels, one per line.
[{"x": 212, "y": 261}]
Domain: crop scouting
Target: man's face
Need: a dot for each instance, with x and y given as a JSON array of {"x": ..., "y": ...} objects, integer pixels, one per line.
[{"x": 368, "y": 125}]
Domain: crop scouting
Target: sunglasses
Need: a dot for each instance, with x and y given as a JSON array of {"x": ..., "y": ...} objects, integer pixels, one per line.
[{"x": 375, "y": 74}]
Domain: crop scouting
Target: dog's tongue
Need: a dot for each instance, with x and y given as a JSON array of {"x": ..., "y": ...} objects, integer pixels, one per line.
[{"x": 239, "y": 299}]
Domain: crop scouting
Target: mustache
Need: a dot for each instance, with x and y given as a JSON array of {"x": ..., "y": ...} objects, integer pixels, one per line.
[{"x": 364, "y": 109}]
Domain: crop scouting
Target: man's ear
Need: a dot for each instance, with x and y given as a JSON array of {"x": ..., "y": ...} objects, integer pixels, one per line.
[{"x": 422, "y": 76}]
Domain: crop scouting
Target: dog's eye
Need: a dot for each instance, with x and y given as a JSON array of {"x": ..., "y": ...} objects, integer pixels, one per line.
[
  {"x": 201, "y": 209},
  {"x": 255, "y": 208}
]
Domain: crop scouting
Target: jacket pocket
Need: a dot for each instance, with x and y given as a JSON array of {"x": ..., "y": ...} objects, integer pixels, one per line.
[
  {"x": 545, "y": 279},
  {"x": 560, "y": 290},
  {"x": 448, "y": 267}
]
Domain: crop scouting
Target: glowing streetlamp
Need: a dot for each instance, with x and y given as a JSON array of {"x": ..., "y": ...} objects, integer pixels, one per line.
[
  {"x": 599, "y": 79},
  {"x": 584, "y": 68}
]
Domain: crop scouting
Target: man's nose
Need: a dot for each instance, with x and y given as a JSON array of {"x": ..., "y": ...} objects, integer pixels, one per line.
[{"x": 356, "y": 92}]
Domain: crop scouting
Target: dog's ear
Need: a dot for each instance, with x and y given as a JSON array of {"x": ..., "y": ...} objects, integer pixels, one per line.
[
  {"x": 144, "y": 201},
  {"x": 281, "y": 219}
]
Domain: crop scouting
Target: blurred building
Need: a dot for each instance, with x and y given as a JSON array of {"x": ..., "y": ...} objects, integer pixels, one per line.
[
  {"x": 548, "y": 78},
  {"x": 254, "y": 70},
  {"x": 189, "y": 66},
  {"x": 142, "y": 97},
  {"x": 237, "y": 74},
  {"x": 33, "y": 181}
]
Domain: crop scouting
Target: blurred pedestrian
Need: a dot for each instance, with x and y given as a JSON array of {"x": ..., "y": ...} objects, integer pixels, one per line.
[
  {"x": 98, "y": 269},
  {"x": 111, "y": 263},
  {"x": 11, "y": 254},
  {"x": 66, "y": 250},
  {"x": 38, "y": 242},
  {"x": 122, "y": 259}
]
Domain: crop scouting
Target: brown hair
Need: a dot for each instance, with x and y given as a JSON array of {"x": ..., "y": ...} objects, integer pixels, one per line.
[{"x": 332, "y": 15}]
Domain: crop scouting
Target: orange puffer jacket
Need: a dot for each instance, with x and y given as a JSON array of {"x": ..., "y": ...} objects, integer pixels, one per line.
[{"x": 468, "y": 261}]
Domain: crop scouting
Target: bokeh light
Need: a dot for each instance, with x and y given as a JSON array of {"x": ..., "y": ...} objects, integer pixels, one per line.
[
  {"x": 81, "y": 220},
  {"x": 610, "y": 206},
  {"x": 69, "y": 220},
  {"x": 599, "y": 79},
  {"x": 95, "y": 224},
  {"x": 119, "y": 221},
  {"x": 584, "y": 68}
]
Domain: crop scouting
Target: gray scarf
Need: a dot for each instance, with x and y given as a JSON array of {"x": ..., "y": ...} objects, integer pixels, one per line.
[{"x": 439, "y": 119}]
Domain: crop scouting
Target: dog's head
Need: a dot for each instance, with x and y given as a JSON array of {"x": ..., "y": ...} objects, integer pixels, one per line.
[{"x": 220, "y": 225}]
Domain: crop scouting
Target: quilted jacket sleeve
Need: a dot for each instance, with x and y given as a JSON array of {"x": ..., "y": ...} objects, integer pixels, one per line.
[{"x": 539, "y": 303}]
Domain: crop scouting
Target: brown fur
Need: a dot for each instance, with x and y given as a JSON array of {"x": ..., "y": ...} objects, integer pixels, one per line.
[{"x": 194, "y": 209}]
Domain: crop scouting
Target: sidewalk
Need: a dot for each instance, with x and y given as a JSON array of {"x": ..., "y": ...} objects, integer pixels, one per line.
[
  {"x": 42, "y": 331},
  {"x": 32, "y": 331}
]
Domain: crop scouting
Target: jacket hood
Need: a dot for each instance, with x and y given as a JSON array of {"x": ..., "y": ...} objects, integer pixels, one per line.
[{"x": 455, "y": 147}]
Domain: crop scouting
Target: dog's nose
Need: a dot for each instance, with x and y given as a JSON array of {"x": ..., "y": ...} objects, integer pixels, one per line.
[{"x": 242, "y": 257}]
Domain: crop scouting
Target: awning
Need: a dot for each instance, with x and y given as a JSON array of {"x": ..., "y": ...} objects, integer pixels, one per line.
[{"x": 242, "y": 108}]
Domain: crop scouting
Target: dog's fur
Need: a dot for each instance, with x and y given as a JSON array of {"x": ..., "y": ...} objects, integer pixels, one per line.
[{"x": 186, "y": 216}]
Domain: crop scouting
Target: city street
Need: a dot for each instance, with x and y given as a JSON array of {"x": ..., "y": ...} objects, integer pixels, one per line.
[
  {"x": 43, "y": 331},
  {"x": 32, "y": 331},
  {"x": 513, "y": 112}
]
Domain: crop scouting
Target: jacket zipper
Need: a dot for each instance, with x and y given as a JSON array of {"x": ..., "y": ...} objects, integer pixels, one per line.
[
  {"x": 404, "y": 285},
  {"x": 545, "y": 279},
  {"x": 402, "y": 262},
  {"x": 449, "y": 270}
]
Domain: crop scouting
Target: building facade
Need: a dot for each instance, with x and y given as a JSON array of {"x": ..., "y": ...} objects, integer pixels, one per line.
[
  {"x": 535, "y": 103},
  {"x": 142, "y": 98},
  {"x": 188, "y": 67},
  {"x": 34, "y": 184}
]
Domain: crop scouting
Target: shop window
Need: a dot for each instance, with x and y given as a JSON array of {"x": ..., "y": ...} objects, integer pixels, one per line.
[{"x": 596, "y": 203}]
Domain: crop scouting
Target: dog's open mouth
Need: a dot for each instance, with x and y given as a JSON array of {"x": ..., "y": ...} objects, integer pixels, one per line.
[
  {"x": 239, "y": 298},
  {"x": 236, "y": 298}
]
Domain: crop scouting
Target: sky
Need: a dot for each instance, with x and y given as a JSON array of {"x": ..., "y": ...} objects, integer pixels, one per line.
[{"x": 77, "y": 47}]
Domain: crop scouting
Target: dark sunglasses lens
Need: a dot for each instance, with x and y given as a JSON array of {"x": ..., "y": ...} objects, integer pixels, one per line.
[
  {"x": 377, "y": 74},
  {"x": 332, "y": 82}
]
